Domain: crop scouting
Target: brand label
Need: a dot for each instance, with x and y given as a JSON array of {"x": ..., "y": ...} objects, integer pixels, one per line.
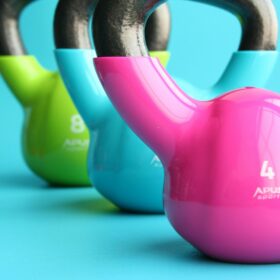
[
  {"x": 76, "y": 144},
  {"x": 267, "y": 193},
  {"x": 267, "y": 171}
]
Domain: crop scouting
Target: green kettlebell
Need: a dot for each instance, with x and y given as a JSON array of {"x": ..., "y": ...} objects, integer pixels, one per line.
[{"x": 55, "y": 139}]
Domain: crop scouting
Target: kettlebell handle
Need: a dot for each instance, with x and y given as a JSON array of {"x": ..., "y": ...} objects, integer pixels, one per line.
[
  {"x": 11, "y": 43},
  {"x": 258, "y": 20},
  {"x": 71, "y": 27},
  {"x": 23, "y": 73},
  {"x": 75, "y": 52}
]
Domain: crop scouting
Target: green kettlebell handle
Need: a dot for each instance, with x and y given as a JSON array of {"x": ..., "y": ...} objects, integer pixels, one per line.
[
  {"x": 23, "y": 73},
  {"x": 25, "y": 77}
]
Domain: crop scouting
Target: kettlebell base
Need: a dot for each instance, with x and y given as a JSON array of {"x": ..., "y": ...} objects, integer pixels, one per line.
[
  {"x": 131, "y": 193},
  {"x": 68, "y": 185},
  {"x": 227, "y": 234},
  {"x": 56, "y": 179}
]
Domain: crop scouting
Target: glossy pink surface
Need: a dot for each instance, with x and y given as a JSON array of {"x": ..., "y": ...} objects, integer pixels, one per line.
[{"x": 221, "y": 157}]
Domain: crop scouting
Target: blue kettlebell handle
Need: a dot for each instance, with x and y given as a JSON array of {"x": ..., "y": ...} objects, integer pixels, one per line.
[
  {"x": 253, "y": 64},
  {"x": 245, "y": 69},
  {"x": 75, "y": 53},
  {"x": 83, "y": 84}
]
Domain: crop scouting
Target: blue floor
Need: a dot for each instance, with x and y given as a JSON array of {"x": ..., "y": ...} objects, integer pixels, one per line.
[{"x": 56, "y": 233}]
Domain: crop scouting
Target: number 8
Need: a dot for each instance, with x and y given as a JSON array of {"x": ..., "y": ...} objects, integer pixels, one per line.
[{"x": 77, "y": 124}]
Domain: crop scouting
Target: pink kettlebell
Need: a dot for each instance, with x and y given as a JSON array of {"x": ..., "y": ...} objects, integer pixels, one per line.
[{"x": 221, "y": 157}]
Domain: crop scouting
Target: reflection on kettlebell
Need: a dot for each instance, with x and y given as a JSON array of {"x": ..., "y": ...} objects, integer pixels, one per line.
[
  {"x": 55, "y": 138},
  {"x": 251, "y": 65},
  {"x": 121, "y": 166},
  {"x": 221, "y": 157}
]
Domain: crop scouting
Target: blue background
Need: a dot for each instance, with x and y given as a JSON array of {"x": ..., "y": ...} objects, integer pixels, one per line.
[{"x": 56, "y": 233}]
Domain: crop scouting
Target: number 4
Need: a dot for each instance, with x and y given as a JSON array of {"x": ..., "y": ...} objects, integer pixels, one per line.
[{"x": 267, "y": 171}]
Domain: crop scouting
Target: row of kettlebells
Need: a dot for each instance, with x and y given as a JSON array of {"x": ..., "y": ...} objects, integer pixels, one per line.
[{"x": 218, "y": 147}]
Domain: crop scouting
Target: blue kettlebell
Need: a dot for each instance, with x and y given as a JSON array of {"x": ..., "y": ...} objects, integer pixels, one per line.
[{"x": 122, "y": 168}]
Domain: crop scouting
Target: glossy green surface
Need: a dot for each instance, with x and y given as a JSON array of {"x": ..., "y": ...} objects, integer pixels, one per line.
[{"x": 54, "y": 138}]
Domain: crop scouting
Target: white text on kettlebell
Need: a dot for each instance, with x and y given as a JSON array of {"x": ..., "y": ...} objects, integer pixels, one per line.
[
  {"x": 77, "y": 124},
  {"x": 267, "y": 171},
  {"x": 267, "y": 193},
  {"x": 76, "y": 144}
]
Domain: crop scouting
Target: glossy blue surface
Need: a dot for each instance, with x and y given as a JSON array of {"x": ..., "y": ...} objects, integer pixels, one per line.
[
  {"x": 245, "y": 68},
  {"x": 48, "y": 233},
  {"x": 121, "y": 166}
]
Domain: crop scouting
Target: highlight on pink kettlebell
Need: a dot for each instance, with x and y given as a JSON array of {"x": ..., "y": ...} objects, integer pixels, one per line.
[{"x": 222, "y": 156}]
